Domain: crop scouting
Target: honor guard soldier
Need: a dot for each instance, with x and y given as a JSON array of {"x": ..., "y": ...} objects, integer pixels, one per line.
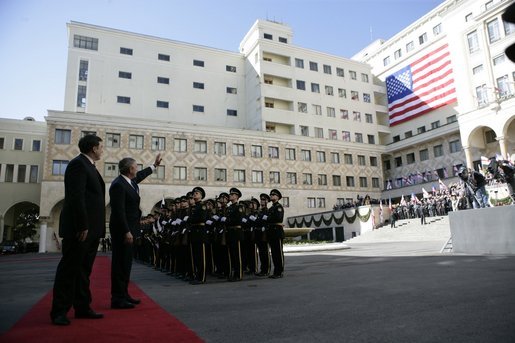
[
  {"x": 220, "y": 251},
  {"x": 260, "y": 236},
  {"x": 275, "y": 233},
  {"x": 249, "y": 251},
  {"x": 197, "y": 222},
  {"x": 210, "y": 228},
  {"x": 234, "y": 234}
]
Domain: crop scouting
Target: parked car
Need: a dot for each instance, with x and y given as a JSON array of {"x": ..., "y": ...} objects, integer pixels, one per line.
[{"x": 9, "y": 247}]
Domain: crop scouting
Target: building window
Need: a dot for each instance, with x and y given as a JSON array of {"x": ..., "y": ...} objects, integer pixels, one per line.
[
  {"x": 289, "y": 154},
  {"x": 329, "y": 90},
  {"x": 238, "y": 149},
  {"x": 335, "y": 157},
  {"x": 257, "y": 176},
  {"x": 317, "y": 109},
  {"x": 468, "y": 17},
  {"x": 304, "y": 131},
  {"x": 369, "y": 118},
  {"x": 321, "y": 202},
  {"x": 179, "y": 173},
  {"x": 499, "y": 59},
  {"x": 299, "y": 63},
  {"x": 344, "y": 114},
  {"x": 408, "y": 134},
  {"x": 58, "y": 167},
  {"x": 361, "y": 160},
  {"x": 350, "y": 181},
  {"x": 319, "y": 132},
  {"x": 337, "y": 180},
  {"x": 84, "y": 42},
  {"x": 301, "y": 85},
  {"x": 124, "y": 75},
  {"x": 81, "y": 96},
  {"x": 231, "y": 69},
  {"x": 200, "y": 147},
  {"x": 112, "y": 140},
  {"x": 363, "y": 182},
  {"x": 305, "y": 155},
  {"x": 331, "y": 113},
  {"x": 291, "y": 178},
  {"x": 136, "y": 142},
  {"x": 342, "y": 93},
  {"x": 159, "y": 173},
  {"x": 123, "y": 99},
  {"x": 387, "y": 165},
  {"x": 163, "y": 80},
  {"x": 494, "y": 33},
  {"x": 503, "y": 87},
  {"x": 232, "y": 113},
  {"x": 421, "y": 129},
  {"x": 452, "y": 119},
  {"x": 231, "y": 90},
  {"x": 509, "y": 28},
  {"x": 180, "y": 145},
  {"x": 220, "y": 148},
  {"x": 200, "y": 174},
  {"x": 285, "y": 201},
  {"x": 422, "y": 38},
  {"x": 125, "y": 51},
  {"x": 198, "y": 85},
  {"x": 198, "y": 108},
  {"x": 110, "y": 169},
  {"x": 373, "y": 161},
  {"x": 353, "y": 75},
  {"x": 239, "y": 175},
  {"x": 36, "y": 145},
  {"x": 315, "y": 87},
  {"x": 358, "y": 137},
  {"x": 424, "y": 155},
  {"x": 2, "y": 142},
  {"x": 302, "y": 107},
  {"x": 455, "y": 146},
  {"x": 83, "y": 70},
  {"x": 347, "y": 158},
  {"x": 307, "y": 179},
  {"x": 435, "y": 125},
  {"x": 386, "y": 61},
  {"x": 62, "y": 136},
  {"x": 220, "y": 175},
  {"x": 333, "y": 134},
  {"x": 410, "y": 46},
  {"x": 473, "y": 42},
  {"x": 33, "y": 177},
  {"x": 438, "y": 150},
  {"x": 198, "y": 63},
  {"x": 256, "y": 151},
  {"x": 375, "y": 182},
  {"x": 163, "y": 57},
  {"x": 397, "y": 54},
  {"x": 275, "y": 177},
  {"x": 321, "y": 156},
  {"x": 364, "y": 77},
  {"x": 268, "y": 36},
  {"x": 18, "y": 144},
  {"x": 9, "y": 173},
  {"x": 366, "y": 98},
  {"x": 490, "y": 136},
  {"x": 410, "y": 158},
  {"x": 327, "y": 69},
  {"x": 396, "y": 138},
  {"x": 162, "y": 104},
  {"x": 437, "y": 29},
  {"x": 398, "y": 161},
  {"x": 322, "y": 180},
  {"x": 273, "y": 152},
  {"x": 311, "y": 202},
  {"x": 158, "y": 143},
  {"x": 346, "y": 136},
  {"x": 269, "y": 104},
  {"x": 313, "y": 66},
  {"x": 22, "y": 171},
  {"x": 354, "y": 95},
  {"x": 357, "y": 116}
]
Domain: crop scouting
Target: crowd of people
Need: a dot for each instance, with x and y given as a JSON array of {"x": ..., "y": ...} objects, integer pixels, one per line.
[{"x": 223, "y": 237}]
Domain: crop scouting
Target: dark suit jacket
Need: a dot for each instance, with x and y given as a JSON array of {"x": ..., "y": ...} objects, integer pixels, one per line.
[
  {"x": 84, "y": 200},
  {"x": 125, "y": 211}
]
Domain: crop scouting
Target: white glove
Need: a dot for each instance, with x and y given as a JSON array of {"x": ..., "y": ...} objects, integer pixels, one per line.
[
  {"x": 265, "y": 217},
  {"x": 185, "y": 218},
  {"x": 209, "y": 222},
  {"x": 179, "y": 221},
  {"x": 215, "y": 217},
  {"x": 244, "y": 220},
  {"x": 183, "y": 231},
  {"x": 174, "y": 222},
  {"x": 163, "y": 222},
  {"x": 223, "y": 219},
  {"x": 263, "y": 229},
  {"x": 253, "y": 218}
]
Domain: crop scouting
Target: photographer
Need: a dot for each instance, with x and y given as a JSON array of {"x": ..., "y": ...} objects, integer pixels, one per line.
[{"x": 474, "y": 187}]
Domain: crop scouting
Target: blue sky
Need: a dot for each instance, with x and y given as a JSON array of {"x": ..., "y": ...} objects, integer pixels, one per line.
[{"x": 33, "y": 37}]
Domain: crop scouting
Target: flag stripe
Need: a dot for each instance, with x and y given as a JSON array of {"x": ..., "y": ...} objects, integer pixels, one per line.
[{"x": 422, "y": 86}]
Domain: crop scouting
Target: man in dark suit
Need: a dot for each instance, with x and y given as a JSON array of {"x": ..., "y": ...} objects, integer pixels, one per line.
[
  {"x": 81, "y": 225},
  {"x": 124, "y": 225}
]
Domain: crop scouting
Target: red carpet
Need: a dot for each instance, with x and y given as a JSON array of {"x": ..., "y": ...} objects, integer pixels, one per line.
[{"x": 148, "y": 322}]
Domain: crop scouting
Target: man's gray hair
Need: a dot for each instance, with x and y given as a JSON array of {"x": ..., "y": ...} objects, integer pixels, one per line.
[{"x": 125, "y": 165}]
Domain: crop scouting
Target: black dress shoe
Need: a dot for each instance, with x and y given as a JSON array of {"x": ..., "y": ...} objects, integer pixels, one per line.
[
  {"x": 261, "y": 274},
  {"x": 276, "y": 276},
  {"x": 133, "y": 301},
  {"x": 61, "y": 320},
  {"x": 121, "y": 305},
  {"x": 196, "y": 282},
  {"x": 89, "y": 314}
]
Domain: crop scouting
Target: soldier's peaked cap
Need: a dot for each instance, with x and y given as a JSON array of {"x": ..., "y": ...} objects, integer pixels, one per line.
[
  {"x": 235, "y": 191},
  {"x": 200, "y": 190},
  {"x": 276, "y": 192}
]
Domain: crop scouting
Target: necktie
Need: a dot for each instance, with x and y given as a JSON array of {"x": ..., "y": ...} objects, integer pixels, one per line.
[{"x": 135, "y": 185}]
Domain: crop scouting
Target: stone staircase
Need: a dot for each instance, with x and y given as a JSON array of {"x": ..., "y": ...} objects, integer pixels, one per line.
[{"x": 410, "y": 230}]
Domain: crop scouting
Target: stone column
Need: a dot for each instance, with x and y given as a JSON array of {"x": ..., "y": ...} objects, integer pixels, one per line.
[
  {"x": 502, "y": 146},
  {"x": 468, "y": 157},
  {"x": 42, "y": 234}
]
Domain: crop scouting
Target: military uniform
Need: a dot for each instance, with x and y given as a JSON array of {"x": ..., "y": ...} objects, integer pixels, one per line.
[
  {"x": 233, "y": 223},
  {"x": 261, "y": 237},
  {"x": 275, "y": 233},
  {"x": 197, "y": 222}
]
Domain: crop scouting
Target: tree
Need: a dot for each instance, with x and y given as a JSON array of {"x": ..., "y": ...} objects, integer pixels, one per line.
[{"x": 26, "y": 225}]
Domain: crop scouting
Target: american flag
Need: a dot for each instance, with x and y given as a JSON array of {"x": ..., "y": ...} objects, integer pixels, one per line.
[{"x": 420, "y": 87}]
